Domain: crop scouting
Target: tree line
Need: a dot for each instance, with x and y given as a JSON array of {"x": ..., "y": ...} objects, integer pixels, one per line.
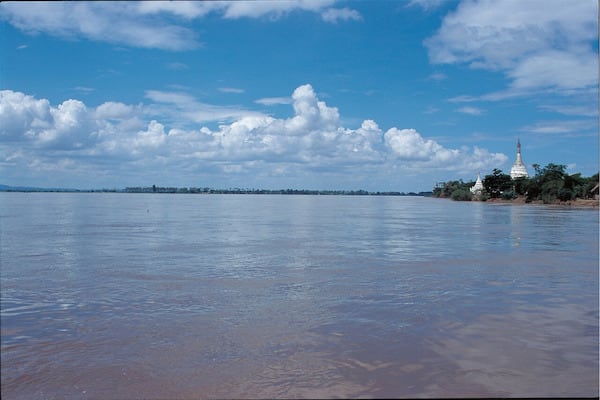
[
  {"x": 549, "y": 185},
  {"x": 207, "y": 190}
]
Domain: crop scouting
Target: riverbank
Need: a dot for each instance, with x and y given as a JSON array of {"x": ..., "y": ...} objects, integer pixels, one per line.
[{"x": 582, "y": 203}]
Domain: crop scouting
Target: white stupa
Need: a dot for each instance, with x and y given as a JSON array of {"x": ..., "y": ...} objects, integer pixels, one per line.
[
  {"x": 518, "y": 169},
  {"x": 477, "y": 188}
]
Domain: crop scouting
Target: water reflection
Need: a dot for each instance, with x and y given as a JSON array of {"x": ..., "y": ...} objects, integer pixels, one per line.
[{"x": 516, "y": 214}]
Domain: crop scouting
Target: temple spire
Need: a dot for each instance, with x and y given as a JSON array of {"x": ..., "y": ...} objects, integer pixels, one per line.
[
  {"x": 518, "y": 169},
  {"x": 477, "y": 189}
]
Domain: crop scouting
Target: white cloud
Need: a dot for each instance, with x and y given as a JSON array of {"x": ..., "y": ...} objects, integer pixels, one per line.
[
  {"x": 558, "y": 69},
  {"x": 310, "y": 112},
  {"x": 152, "y": 137},
  {"x": 178, "y": 98},
  {"x": 231, "y": 90},
  {"x": 408, "y": 144},
  {"x": 470, "y": 110},
  {"x": 184, "y": 9},
  {"x": 334, "y": 15},
  {"x": 274, "y": 9},
  {"x": 114, "y": 22},
  {"x": 21, "y": 115},
  {"x": 427, "y": 5},
  {"x": 438, "y": 76},
  {"x": 589, "y": 110},
  {"x": 65, "y": 126},
  {"x": 117, "y": 136},
  {"x": 113, "y": 110},
  {"x": 149, "y": 24},
  {"x": 277, "y": 9},
  {"x": 269, "y": 101},
  {"x": 536, "y": 43},
  {"x": 583, "y": 126},
  {"x": 481, "y": 159},
  {"x": 84, "y": 89},
  {"x": 177, "y": 66},
  {"x": 186, "y": 108}
]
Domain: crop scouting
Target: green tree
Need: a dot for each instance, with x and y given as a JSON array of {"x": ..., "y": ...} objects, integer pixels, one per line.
[
  {"x": 552, "y": 182},
  {"x": 520, "y": 185},
  {"x": 461, "y": 195},
  {"x": 509, "y": 195},
  {"x": 449, "y": 187},
  {"x": 548, "y": 184},
  {"x": 456, "y": 190},
  {"x": 496, "y": 183},
  {"x": 588, "y": 185},
  {"x": 554, "y": 171},
  {"x": 565, "y": 194},
  {"x": 533, "y": 190}
]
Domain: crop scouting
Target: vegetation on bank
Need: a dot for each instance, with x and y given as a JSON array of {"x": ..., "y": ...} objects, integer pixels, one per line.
[
  {"x": 206, "y": 190},
  {"x": 550, "y": 184}
]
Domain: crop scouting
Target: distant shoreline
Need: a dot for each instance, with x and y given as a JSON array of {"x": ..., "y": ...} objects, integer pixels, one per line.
[
  {"x": 205, "y": 190},
  {"x": 577, "y": 203}
]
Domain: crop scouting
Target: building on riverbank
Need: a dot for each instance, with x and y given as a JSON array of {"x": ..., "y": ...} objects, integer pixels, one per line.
[{"x": 477, "y": 188}]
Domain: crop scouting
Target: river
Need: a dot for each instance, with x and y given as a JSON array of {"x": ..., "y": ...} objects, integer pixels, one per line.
[{"x": 113, "y": 295}]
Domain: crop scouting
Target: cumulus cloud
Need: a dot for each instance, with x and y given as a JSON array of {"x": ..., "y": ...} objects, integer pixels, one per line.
[
  {"x": 69, "y": 120},
  {"x": 408, "y": 144},
  {"x": 113, "y": 110},
  {"x": 537, "y": 44},
  {"x": 21, "y": 115},
  {"x": 154, "y": 136},
  {"x": 115, "y": 134}
]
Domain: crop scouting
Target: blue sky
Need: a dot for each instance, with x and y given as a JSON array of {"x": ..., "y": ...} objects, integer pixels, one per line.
[{"x": 313, "y": 94}]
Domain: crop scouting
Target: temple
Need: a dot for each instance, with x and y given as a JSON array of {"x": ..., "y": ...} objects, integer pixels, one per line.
[
  {"x": 518, "y": 169},
  {"x": 478, "y": 187}
]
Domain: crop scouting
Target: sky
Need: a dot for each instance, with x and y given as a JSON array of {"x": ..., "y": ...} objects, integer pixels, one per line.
[{"x": 303, "y": 94}]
